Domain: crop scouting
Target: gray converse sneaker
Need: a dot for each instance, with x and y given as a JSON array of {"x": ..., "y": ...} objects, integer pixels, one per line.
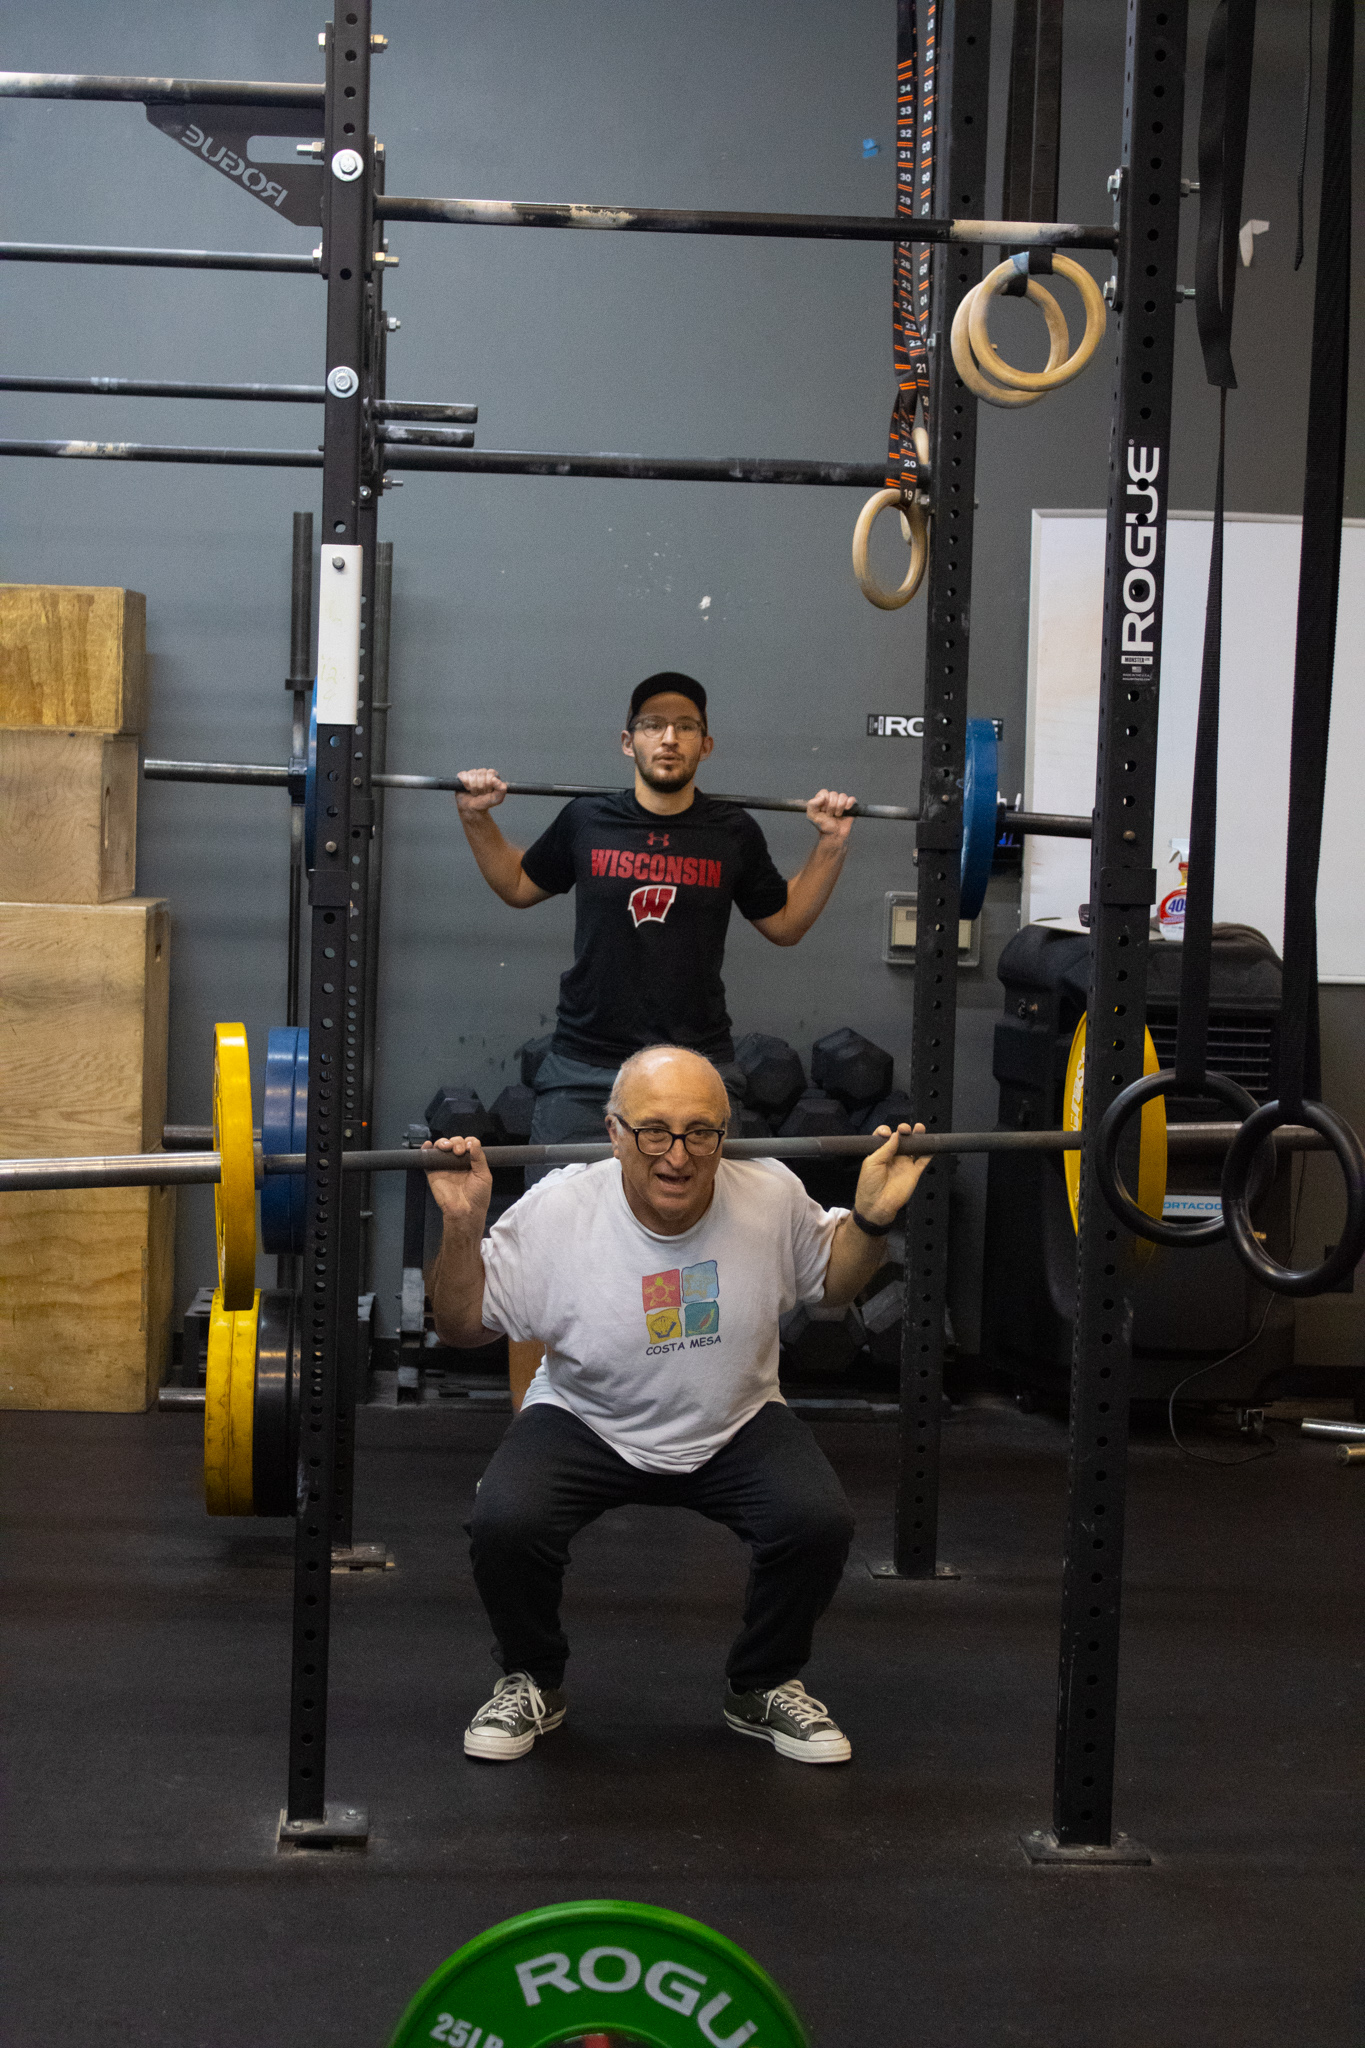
[
  {"x": 796, "y": 1725},
  {"x": 506, "y": 1726}
]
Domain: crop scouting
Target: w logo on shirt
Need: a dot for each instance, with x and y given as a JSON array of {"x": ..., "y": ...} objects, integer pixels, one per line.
[{"x": 651, "y": 905}]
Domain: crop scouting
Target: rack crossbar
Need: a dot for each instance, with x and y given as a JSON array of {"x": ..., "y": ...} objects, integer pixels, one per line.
[
  {"x": 150, "y": 451},
  {"x": 734, "y": 469},
  {"x": 160, "y": 92},
  {"x": 160, "y": 259},
  {"x": 820, "y": 227},
  {"x": 254, "y": 394}
]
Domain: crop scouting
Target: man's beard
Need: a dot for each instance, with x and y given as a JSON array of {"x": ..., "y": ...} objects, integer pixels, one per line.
[{"x": 666, "y": 780}]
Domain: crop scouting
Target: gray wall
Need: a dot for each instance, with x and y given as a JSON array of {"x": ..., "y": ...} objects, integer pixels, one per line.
[{"x": 525, "y": 609}]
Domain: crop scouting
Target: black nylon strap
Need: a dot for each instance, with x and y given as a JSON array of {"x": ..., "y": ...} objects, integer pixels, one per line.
[
  {"x": 1319, "y": 570},
  {"x": 1033, "y": 114},
  {"x": 1019, "y": 112},
  {"x": 1196, "y": 964},
  {"x": 1222, "y": 159},
  {"x": 1222, "y": 163},
  {"x": 1303, "y": 146}
]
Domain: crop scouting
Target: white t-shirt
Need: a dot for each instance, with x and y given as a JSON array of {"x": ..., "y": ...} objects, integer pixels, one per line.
[{"x": 665, "y": 1346}]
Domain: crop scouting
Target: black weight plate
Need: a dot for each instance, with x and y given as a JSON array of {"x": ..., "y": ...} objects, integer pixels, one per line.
[{"x": 275, "y": 1439}]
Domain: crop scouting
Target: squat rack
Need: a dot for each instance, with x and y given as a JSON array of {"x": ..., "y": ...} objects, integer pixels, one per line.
[{"x": 344, "y": 186}]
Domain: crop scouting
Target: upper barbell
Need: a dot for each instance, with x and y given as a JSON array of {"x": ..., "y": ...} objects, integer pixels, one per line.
[
  {"x": 984, "y": 815},
  {"x": 264, "y": 774}
]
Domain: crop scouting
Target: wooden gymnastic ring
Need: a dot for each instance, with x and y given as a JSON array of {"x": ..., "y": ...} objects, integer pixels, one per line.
[
  {"x": 913, "y": 519},
  {"x": 993, "y": 363},
  {"x": 1059, "y": 341}
]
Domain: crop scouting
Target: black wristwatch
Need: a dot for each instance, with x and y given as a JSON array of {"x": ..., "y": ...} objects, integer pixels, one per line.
[{"x": 872, "y": 1229}]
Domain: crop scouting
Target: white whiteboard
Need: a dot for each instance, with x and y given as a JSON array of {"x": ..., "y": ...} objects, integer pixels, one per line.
[{"x": 1260, "y": 598}]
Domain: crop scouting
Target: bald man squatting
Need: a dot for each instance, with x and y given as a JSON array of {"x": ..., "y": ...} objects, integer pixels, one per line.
[{"x": 655, "y": 1280}]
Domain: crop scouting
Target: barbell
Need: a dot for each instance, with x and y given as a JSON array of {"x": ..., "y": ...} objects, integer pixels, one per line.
[
  {"x": 252, "y": 1391},
  {"x": 985, "y": 815}
]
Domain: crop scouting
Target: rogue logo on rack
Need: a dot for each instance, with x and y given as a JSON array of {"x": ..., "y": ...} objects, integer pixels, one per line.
[
  {"x": 650, "y": 906},
  {"x": 889, "y": 725},
  {"x": 236, "y": 141},
  {"x": 1141, "y": 588}
]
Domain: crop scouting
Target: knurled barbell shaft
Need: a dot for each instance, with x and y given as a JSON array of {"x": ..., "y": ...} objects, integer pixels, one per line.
[
  {"x": 172, "y": 1169},
  {"x": 1043, "y": 824}
]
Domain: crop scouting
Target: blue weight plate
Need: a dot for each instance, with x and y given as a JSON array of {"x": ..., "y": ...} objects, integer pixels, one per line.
[
  {"x": 980, "y": 808},
  {"x": 296, "y": 1183},
  {"x": 277, "y": 1135},
  {"x": 310, "y": 794}
]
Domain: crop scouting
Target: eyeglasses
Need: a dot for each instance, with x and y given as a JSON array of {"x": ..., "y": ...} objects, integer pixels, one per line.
[
  {"x": 686, "y": 728},
  {"x": 654, "y": 1140}
]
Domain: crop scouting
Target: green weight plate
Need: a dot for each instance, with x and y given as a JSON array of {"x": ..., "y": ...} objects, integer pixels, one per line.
[{"x": 602, "y": 1973}]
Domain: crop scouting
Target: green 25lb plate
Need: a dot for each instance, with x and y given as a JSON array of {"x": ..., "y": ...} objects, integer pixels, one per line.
[{"x": 600, "y": 1973}]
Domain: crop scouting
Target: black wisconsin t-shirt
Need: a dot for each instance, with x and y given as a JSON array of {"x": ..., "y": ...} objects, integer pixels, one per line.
[{"x": 654, "y": 898}]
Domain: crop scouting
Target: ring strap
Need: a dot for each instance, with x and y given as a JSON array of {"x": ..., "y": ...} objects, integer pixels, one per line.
[
  {"x": 1196, "y": 960},
  {"x": 1033, "y": 116},
  {"x": 1223, "y": 118},
  {"x": 1319, "y": 570},
  {"x": 911, "y": 273},
  {"x": 1222, "y": 159}
]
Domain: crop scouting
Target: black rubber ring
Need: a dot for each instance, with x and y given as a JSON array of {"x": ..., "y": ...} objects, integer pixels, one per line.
[
  {"x": 1344, "y": 1256},
  {"x": 1177, "y": 1236}
]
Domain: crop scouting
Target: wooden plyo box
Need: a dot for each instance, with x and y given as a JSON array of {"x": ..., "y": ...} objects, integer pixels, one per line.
[
  {"x": 84, "y": 1007},
  {"x": 73, "y": 657},
  {"x": 68, "y": 815},
  {"x": 86, "y": 1279}
]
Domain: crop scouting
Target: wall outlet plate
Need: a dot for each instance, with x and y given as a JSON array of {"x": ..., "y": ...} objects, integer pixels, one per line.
[{"x": 900, "y": 928}]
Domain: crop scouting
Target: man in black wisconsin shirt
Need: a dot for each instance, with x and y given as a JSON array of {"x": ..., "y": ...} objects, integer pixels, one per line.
[{"x": 656, "y": 869}]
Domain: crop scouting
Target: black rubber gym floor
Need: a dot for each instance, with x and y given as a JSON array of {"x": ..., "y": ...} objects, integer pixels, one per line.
[{"x": 146, "y": 1707}]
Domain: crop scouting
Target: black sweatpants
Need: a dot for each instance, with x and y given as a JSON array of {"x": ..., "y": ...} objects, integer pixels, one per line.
[{"x": 772, "y": 1484}]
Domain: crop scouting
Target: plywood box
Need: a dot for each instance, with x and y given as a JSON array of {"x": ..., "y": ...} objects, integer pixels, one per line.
[
  {"x": 68, "y": 815},
  {"x": 73, "y": 657},
  {"x": 86, "y": 1280},
  {"x": 84, "y": 1002}
]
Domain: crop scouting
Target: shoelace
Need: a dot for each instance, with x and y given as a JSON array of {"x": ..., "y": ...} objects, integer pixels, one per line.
[
  {"x": 515, "y": 1698},
  {"x": 799, "y": 1704}
]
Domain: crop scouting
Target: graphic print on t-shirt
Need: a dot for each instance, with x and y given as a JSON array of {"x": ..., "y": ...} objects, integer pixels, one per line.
[
  {"x": 683, "y": 1302},
  {"x": 651, "y": 905}
]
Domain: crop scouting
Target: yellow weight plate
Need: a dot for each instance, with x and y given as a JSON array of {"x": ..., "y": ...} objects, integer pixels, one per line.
[
  {"x": 234, "y": 1198},
  {"x": 229, "y": 1408},
  {"x": 217, "y": 1408},
  {"x": 1151, "y": 1145}
]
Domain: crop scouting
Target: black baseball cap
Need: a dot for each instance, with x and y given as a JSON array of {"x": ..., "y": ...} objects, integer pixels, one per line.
[{"x": 667, "y": 682}]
